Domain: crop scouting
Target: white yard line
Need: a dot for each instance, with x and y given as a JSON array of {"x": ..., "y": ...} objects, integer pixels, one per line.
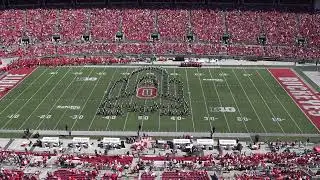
[
  {"x": 19, "y": 84},
  {"x": 295, "y": 102},
  {"x": 159, "y": 118},
  {"x": 64, "y": 91},
  {"x": 30, "y": 85},
  {"x": 264, "y": 101},
  {"x": 80, "y": 88},
  {"x": 115, "y": 104},
  {"x": 189, "y": 94},
  {"x": 280, "y": 102},
  {"x": 27, "y": 101},
  {"x": 204, "y": 99},
  {"x": 102, "y": 98},
  {"x": 250, "y": 102},
  {"x": 144, "y": 109},
  {"x": 219, "y": 99},
  {"x": 83, "y": 107},
  {"x": 125, "y": 122},
  {"x": 234, "y": 99},
  {"x": 43, "y": 100},
  {"x": 175, "y": 95}
]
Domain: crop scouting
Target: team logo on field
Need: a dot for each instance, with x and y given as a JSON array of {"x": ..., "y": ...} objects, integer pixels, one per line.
[{"x": 147, "y": 92}]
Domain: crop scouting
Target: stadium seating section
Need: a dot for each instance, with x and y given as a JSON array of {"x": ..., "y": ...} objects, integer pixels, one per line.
[
  {"x": 191, "y": 32},
  {"x": 272, "y": 165}
]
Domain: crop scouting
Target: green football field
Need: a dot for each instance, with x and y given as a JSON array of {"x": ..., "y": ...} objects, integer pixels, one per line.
[{"x": 233, "y": 100}]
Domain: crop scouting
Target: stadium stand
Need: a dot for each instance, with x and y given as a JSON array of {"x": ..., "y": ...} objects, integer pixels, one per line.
[
  {"x": 282, "y": 31},
  {"x": 59, "y": 37},
  {"x": 267, "y": 165},
  {"x": 138, "y": 24}
]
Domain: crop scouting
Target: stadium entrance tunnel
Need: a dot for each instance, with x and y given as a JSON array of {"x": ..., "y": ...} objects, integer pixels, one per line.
[{"x": 145, "y": 90}]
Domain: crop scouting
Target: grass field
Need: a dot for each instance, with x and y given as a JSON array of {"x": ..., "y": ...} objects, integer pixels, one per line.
[{"x": 232, "y": 100}]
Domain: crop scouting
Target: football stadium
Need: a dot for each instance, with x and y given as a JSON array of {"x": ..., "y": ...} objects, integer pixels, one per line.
[{"x": 159, "y": 89}]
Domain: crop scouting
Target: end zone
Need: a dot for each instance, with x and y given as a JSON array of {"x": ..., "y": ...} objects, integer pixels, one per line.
[
  {"x": 12, "y": 79},
  {"x": 303, "y": 95}
]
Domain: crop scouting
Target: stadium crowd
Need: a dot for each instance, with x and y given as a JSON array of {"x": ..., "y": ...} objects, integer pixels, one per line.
[
  {"x": 54, "y": 37},
  {"x": 56, "y": 32},
  {"x": 168, "y": 164}
]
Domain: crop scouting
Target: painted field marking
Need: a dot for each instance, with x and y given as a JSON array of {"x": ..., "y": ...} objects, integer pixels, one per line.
[
  {"x": 54, "y": 105},
  {"x": 219, "y": 99},
  {"x": 249, "y": 101},
  {"x": 264, "y": 101},
  {"x": 83, "y": 107},
  {"x": 189, "y": 94},
  {"x": 160, "y": 99},
  {"x": 131, "y": 99},
  {"x": 311, "y": 92},
  {"x": 12, "y": 79},
  {"x": 204, "y": 99},
  {"x": 102, "y": 98},
  {"x": 116, "y": 102},
  {"x": 30, "y": 85},
  {"x": 279, "y": 101},
  {"x": 28, "y": 100},
  {"x": 234, "y": 100},
  {"x": 44, "y": 99},
  {"x": 80, "y": 88}
]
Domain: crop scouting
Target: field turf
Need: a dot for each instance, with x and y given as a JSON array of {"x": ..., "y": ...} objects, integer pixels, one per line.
[{"x": 233, "y": 100}]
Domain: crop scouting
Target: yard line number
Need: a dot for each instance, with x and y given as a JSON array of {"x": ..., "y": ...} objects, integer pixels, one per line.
[
  {"x": 198, "y": 74},
  {"x": 77, "y": 117},
  {"x": 45, "y": 116},
  {"x": 222, "y": 109},
  {"x": 209, "y": 118},
  {"x": 174, "y": 74},
  {"x": 13, "y": 116},
  {"x": 247, "y": 75},
  {"x": 143, "y": 118},
  {"x": 215, "y": 80},
  {"x": 176, "y": 118},
  {"x": 77, "y": 73},
  {"x": 101, "y": 73},
  {"x": 277, "y": 119},
  {"x": 110, "y": 117},
  {"x": 242, "y": 119}
]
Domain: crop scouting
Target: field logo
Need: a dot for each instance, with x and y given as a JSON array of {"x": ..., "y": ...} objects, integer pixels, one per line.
[{"x": 147, "y": 92}]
